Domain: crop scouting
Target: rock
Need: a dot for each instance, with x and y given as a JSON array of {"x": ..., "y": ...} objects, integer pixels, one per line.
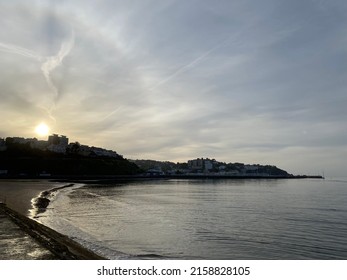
[{"x": 42, "y": 202}]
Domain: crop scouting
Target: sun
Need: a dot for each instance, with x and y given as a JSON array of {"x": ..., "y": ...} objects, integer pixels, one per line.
[{"x": 42, "y": 129}]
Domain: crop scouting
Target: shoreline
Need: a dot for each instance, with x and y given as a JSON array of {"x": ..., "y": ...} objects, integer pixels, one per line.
[
  {"x": 41, "y": 202},
  {"x": 16, "y": 201},
  {"x": 18, "y": 194},
  {"x": 73, "y": 178},
  {"x": 60, "y": 245},
  {"x": 39, "y": 192},
  {"x": 117, "y": 179}
]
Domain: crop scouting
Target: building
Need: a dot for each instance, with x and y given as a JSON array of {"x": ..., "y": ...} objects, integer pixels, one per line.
[
  {"x": 208, "y": 165},
  {"x": 103, "y": 152},
  {"x": 2, "y": 145},
  {"x": 251, "y": 169},
  {"x": 33, "y": 142},
  {"x": 200, "y": 164},
  {"x": 57, "y": 144},
  {"x": 39, "y": 144},
  {"x": 21, "y": 140},
  {"x": 196, "y": 164},
  {"x": 55, "y": 139}
]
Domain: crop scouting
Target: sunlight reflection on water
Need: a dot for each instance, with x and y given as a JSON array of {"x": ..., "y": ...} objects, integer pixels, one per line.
[{"x": 211, "y": 219}]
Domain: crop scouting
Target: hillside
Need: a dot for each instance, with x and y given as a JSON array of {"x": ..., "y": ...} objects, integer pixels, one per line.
[
  {"x": 21, "y": 159},
  {"x": 209, "y": 166},
  {"x": 29, "y": 157}
]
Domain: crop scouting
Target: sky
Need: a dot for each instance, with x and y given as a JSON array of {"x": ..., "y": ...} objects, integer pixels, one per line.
[{"x": 235, "y": 80}]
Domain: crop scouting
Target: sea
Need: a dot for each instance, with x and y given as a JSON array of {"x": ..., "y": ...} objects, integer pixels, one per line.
[{"x": 205, "y": 219}]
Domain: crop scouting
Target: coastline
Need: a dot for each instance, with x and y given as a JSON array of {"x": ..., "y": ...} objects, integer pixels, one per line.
[
  {"x": 117, "y": 179},
  {"x": 61, "y": 246},
  {"x": 23, "y": 195},
  {"x": 41, "y": 202},
  {"x": 17, "y": 194},
  {"x": 16, "y": 198}
]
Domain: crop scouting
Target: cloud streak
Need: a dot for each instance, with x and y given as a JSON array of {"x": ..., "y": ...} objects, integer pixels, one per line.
[
  {"x": 19, "y": 51},
  {"x": 48, "y": 64},
  {"x": 52, "y": 62},
  {"x": 189, "y": 65},
  {"x": 236, "y": 80}
]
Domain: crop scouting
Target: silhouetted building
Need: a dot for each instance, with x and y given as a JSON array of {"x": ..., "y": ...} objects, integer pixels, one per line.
[
  {"x": 55, "y": 139},
  {"x": 57, "y": 144}
]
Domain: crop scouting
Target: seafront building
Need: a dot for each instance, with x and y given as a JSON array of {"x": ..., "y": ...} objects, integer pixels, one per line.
[
  {"x": 200, "y": 164},
  {"x": 59, "y": 144},
  {"x": 206, "y": 166},
  {"x": 2, "y": 145}
]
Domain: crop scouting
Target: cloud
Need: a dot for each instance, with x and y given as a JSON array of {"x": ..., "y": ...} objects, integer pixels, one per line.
[
  {"x": 236, "y": 80},
  {"x": 52, "y": 62},
  {"x": 48, "y": 64},
  {"x": 18, "y": 50}
]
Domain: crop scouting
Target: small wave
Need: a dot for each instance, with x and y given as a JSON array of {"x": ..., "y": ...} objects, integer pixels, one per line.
[{"x": 40, "y": 203}]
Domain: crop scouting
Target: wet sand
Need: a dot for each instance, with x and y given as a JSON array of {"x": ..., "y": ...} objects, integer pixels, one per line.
[
  {"x": 16, "y": 244},
  {"x": 23, "y": 238},
  {"x": 17, "y": 194}
]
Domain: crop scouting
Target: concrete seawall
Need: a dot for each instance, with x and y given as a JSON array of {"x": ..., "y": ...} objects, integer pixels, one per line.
[{"x": 59, "y": 245}]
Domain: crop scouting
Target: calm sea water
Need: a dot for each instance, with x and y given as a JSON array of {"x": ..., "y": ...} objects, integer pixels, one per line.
[{"x": 206, "y": 219}]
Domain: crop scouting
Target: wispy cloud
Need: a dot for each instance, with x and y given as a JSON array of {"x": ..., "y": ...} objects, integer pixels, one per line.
[
  {"x": 237, "y": 80},
  {"x": 52, "y": 62},
  {"x": 19, "y": 50},
  {"x": 48, "y": 64},
  {"x": 189, "y": 65}
]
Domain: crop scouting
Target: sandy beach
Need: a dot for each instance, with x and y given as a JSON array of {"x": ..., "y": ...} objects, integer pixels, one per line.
[
  {"x": 24, "y": 238},
  {"x": 16, "y": 243},
  {"x": 17, "y": 194}
]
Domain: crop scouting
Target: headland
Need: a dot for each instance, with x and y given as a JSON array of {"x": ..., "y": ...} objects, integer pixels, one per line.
[{"x": 56, "y": 158}]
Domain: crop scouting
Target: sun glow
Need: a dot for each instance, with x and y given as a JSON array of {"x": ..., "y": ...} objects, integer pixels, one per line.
[{"x": 42, "y": 129}]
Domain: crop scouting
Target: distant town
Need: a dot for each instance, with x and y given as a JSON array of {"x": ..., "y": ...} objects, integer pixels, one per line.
[
  {"x": 58, "y": 144},
  {"x": 208, "y": 167},
  {"x": 57, "y": 157}
]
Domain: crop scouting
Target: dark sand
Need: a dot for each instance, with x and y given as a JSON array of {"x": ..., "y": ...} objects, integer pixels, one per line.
[
  {"x": 22, "y": 238},
  {"x": 17, "y": 194},
  {"x": 16, "y": 244}
]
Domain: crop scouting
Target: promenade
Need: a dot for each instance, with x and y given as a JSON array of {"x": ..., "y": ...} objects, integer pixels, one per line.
[
  {"x": 16, "y": 244},
  {"x": 24, "y": 239}
]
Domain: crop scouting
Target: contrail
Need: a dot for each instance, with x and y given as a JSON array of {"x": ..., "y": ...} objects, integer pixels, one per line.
[
  {"x": 181, "y": 70},
  {"x": 18, "y": 50},
  {"x": 48, "y": 63},
  {"x": 190, "y": 64}
]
